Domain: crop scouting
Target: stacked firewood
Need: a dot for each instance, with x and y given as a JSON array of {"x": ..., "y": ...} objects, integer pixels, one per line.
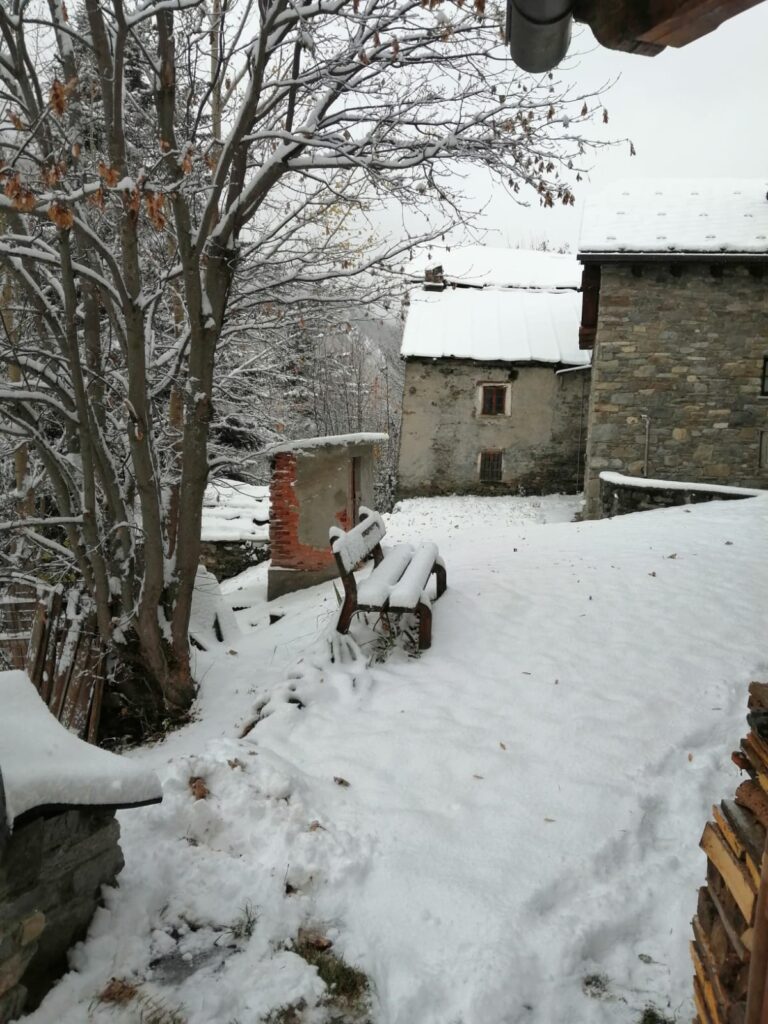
[{"x": 730, "y": 943}]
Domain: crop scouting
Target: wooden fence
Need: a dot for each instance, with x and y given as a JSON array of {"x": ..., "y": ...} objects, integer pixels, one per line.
[{"x": 53, "y": 637}]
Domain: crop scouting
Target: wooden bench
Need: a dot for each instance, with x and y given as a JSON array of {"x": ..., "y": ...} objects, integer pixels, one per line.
[{"x": 397, "y": 583}]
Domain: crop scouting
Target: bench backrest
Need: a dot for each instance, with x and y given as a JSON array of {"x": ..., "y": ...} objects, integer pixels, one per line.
[{"x": 355, "y": 546}]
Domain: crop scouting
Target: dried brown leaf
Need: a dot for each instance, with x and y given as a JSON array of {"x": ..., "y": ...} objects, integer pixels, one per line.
[
  {"x": 118, "y": 991},
  {"x": 198, "y": 787},
  {"x": 61, "y": 215},
  {"x": 109, "y": 175}
]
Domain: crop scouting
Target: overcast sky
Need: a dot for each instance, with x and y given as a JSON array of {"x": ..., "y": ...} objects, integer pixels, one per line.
[{"x": 700, "y": 111}]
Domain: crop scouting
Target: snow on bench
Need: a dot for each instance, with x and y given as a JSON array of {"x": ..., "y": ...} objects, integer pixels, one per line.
[
  {"x": 44, "y": 765},
  {"x": 356, "y": 545},
  {"x": 373, "y": 592},
  {"x": 410, "y": 588},
  {"x": 398, "y": 580}
]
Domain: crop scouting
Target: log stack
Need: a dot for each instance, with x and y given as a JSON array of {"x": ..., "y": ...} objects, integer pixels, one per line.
[{"x": 725, "y": 943}]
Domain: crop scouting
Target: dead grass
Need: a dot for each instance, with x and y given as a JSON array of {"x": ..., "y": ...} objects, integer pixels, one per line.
[
  {"x": 151, "y": 1010},
  {"x": 118, "y": 991},
  {"x": 349, "y": 990}
]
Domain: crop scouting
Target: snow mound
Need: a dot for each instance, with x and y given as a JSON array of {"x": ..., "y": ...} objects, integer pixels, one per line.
[
  {"x": 234, "y": 511},
  {"x": 43, "y": 764}
]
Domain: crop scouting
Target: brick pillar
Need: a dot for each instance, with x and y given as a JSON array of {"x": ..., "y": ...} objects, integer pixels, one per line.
[{"x": 287, "y": 551}]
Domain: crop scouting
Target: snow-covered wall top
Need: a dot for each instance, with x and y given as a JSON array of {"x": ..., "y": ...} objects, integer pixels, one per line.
[
  {"x": 342, "y": 440},
  {"x": 728, "y": 215},
  {"x": 646, "y": 483},
  {"x": 495, "y": 325},
  {"x": 234, "y": 511},
  {"x": 43, "y": 764},
  {"x": 481, "y": 265}
]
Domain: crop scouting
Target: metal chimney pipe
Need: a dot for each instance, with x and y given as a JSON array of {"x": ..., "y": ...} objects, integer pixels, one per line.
[{"x": 538, "y": 32}]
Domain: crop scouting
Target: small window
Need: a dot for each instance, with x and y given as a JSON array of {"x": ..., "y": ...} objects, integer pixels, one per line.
[
  {"x": 490, "y": 467},
  {"x": 494, "y": 402},
  {"x": 763, "y": 450},
  {"x": 764, "y": 381}
]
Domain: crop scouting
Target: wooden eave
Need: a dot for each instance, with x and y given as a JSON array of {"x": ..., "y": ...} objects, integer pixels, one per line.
[
  {"x": 674, "y": 256},
  {"x": 647, "y": 26}
]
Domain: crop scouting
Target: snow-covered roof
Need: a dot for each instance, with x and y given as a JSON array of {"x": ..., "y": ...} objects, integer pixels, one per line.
[
  {"x": 332, "y": 440},
  {"x": 711, "y": 215},
  {"x": 482, "y": 265},
  {"x": 43, "y": 764},
  {"x": 234, "y": 511},
  {"x": 495, "y": 325}
]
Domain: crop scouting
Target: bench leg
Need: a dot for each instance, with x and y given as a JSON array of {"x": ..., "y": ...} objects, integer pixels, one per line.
[
  {"x": 424, "y": 614},
  {"x": 440, "y": 578},
  {"x": 345, "y": 615}
]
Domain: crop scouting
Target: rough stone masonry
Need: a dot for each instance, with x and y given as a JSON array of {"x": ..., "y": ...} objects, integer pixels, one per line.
[
  {"x": 677, "y": 374},
  {"x": 51, "y": 872}
]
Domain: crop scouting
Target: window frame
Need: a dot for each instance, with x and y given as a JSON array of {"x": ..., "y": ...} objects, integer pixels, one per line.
[
  {"x": 762, "y": 449},
  {"x": 488, "y": 454},
  {"x": 764, "y": 379},
  {"x": 495, "y": 386}
]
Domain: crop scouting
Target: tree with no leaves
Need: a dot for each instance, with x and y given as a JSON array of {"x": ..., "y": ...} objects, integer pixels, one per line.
[{"x": 170, "y": 167}]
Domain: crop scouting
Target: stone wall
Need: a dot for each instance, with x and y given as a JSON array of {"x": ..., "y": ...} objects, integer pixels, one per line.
[
  {"x": 541, "y": 437},
  {"x": 226, "y": 559},
  {"x": 51, "y": 873},
  {"x": 620, "y": 497},
  {"x": 686, "y": 351}
]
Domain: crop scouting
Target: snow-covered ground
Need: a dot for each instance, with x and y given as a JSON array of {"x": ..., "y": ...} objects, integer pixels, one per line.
[
  {"x": 235, "y": 511},
  {"x": 501, "y": 830}
]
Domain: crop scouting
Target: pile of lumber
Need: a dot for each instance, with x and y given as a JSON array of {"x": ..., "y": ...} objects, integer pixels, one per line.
[{"x": 730, "y": 930}]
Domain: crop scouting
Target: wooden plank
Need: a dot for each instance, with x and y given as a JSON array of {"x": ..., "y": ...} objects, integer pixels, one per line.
[
  {"x": 737, "y": 847},
  {"x": 750, "y": 833},
  {"x": 66, "y": 652},
  {"x": 759, "y": 769},
  {"x": 737, "y": 1013},
  {"x": 707, "y": 1006},
  {"x": 750, "y": 795},
  {"x": 687, "y": 22},
  {"x": 711, "y": 969},
  {"x": 77, "y": 697},
  {"x": 758, "y": 968},
  {"x": 759, "y": 745},
  {"x": 51, "y": 643},
  {"x": 734, "y": 873},
  {"x": 702, "y": 1016},
  {"x": 758, "y": 695},
  {"x": 94, "y": 718},
  {"x": 733, "y": 930},
  {"x": 46, "y": 613},
  {"x": 740, "y": 846}
]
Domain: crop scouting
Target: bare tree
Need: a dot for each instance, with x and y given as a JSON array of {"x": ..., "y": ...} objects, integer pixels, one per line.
[{"x": 170, "y": 167}]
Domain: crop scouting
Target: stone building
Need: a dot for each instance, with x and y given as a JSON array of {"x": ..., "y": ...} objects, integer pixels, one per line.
[
  {"x": 676, "y": 307},
  {"x": 495, "y": 388}
]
